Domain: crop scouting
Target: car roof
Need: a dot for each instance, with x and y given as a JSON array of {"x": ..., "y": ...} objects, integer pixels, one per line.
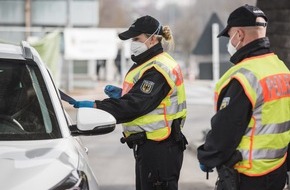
[{"x": 20, "y": 52}]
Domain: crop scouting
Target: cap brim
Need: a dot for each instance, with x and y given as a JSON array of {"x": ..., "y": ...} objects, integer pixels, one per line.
[
  {"x": 129, "y": 34},
  {"x": 224, "y": 32}
]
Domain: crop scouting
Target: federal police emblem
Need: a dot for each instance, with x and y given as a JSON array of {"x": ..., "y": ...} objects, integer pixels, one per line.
[
  {"x": 225, "y": 102},
  {"x": 147, "y": 86}
]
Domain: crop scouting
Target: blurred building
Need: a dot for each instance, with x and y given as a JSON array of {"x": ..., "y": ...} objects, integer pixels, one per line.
[
  {"x": 203, "y": 51},
  {"x": 23, "y": 18},
  {"x": 33, "y": 20}
]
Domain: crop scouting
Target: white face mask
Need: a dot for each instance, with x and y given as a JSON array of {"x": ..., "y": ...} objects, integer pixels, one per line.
[
  {"x": 138, "y": 47},
  {"x": 232, "y": 49}
]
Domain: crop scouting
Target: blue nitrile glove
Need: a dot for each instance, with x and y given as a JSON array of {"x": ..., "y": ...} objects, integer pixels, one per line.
[
  {"x": 113, "y": 91},
  {"x": 72, "y": 102},
  {"x": 82, "y": 104},
  {"x": 205, "y": 168}
]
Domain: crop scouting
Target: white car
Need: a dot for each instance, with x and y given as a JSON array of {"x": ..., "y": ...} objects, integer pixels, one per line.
[{"x": 39, "y": 147}]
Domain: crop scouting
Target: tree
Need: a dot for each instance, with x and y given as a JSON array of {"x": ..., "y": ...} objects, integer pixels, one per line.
[
  {"x": 278, "y": 29},
  {"x": 112, "y": 13}
]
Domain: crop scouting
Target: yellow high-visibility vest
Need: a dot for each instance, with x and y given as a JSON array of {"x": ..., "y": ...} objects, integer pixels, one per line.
[
  {"x": 157, "y": 123},
  {"x": 266, "y": 82}
]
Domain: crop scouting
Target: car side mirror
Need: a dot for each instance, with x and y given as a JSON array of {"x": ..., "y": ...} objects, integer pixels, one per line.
[{"x": 92, "y": 121}]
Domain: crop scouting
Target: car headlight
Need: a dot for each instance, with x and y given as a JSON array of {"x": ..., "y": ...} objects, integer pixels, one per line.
[{"x": 76, "y": 180}]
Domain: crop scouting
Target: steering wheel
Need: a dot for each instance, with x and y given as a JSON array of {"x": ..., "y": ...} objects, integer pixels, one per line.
[{"x": 13, "y": 123}]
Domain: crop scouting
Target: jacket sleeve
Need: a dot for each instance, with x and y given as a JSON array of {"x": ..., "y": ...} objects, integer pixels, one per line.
[
  {"x": 228, "y": 126},
  {"x": 137, "y": 101}
]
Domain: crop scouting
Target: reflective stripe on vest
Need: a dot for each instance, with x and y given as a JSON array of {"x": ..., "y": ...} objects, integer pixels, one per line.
[
  {"x": 264, "y": 144},
  {"x": 157, "y": 123}
]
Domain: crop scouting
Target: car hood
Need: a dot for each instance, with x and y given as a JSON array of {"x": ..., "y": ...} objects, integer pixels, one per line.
[{"x": 36, "y": 164}]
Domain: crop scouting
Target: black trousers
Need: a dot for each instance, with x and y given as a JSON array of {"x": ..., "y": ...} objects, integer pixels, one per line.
[
  {"x": 158, "y": 165},
  {"x": 274, "y": 180}
]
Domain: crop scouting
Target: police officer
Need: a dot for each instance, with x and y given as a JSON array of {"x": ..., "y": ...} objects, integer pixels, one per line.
[
  {"x": 252, "y": 106},
  {"x": 151, "y": 106}
]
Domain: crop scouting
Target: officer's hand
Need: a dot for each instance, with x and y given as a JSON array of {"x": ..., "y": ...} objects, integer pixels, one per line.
[
  {"x": 113, "y": 91},
  {"x": 205, "y": 168},
  {"x": 82, "y": 104}
]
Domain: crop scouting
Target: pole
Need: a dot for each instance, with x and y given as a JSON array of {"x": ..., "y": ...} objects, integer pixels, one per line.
[
  {"x": 27, "y": 18},
  {"x": 70, "y": 69},
  {"x": 215, "y": 53}
]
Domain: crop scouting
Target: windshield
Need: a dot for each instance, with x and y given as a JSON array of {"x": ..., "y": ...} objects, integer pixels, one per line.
[{"x": 26, "y": 111}]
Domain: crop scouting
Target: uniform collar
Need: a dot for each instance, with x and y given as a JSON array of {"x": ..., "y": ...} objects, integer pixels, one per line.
[{"x": 257, "y": 47}]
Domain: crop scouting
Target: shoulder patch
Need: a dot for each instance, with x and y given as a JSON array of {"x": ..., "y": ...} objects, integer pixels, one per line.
[
  {"x": 225, "y": 102},
  {"x": 147, "y": 86}
]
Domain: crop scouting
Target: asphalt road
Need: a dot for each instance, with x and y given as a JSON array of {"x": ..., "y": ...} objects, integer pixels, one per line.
[{"x": 113, "y": 162}]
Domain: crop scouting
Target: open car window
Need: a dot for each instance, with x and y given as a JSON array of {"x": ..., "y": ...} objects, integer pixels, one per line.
[{"x": 26, "y": 111}]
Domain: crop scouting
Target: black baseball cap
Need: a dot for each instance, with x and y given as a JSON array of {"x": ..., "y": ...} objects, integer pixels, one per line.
[
  {"x": 244, "y": 16},
  {"x": 145, "y": 24}
]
